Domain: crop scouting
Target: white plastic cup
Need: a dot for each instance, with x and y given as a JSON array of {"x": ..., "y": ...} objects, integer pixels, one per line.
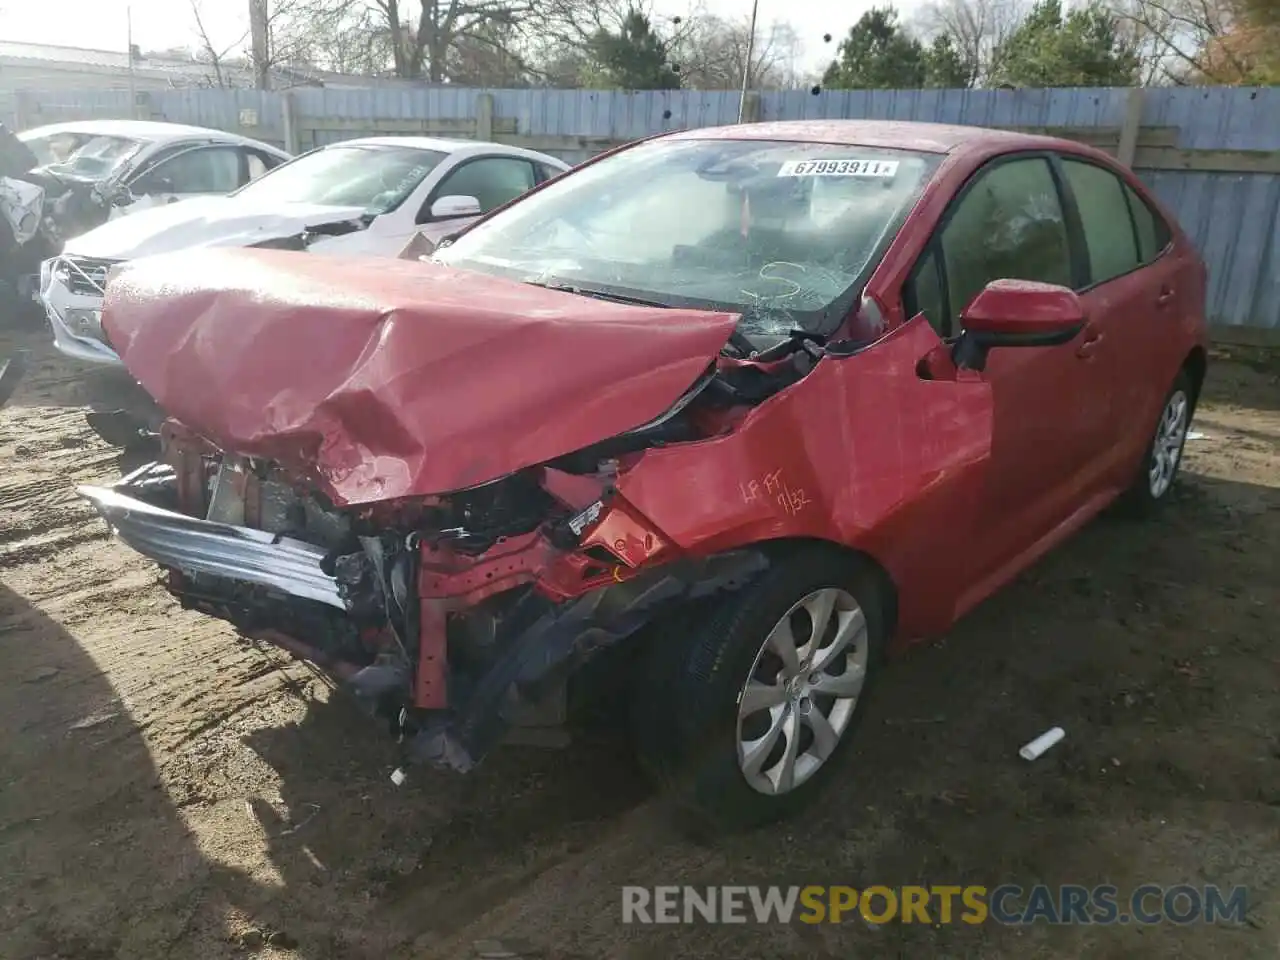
[{"x": 1037, "y": 747}]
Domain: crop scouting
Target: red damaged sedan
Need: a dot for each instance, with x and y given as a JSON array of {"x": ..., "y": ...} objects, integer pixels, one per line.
[{"x": 708, "y": 425}]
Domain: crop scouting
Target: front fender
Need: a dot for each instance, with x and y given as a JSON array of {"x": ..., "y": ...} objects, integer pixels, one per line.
[{"x": 862, "y": 452}]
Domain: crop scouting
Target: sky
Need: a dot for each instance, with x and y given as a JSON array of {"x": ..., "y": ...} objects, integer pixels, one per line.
[{"x": 157, "y": 24}]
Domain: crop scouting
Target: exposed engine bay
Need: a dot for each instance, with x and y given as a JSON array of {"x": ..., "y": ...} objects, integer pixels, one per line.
[{"x": 458, "y": 617}]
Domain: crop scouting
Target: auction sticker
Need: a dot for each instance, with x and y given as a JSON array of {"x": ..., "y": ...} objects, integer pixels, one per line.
[{"x": 839, "y": 168}]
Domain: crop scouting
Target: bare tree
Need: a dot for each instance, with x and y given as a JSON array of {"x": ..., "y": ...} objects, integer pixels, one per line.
[
  {"x": 356, "y": 42},
  {"x": 576, "y": 23},
  {"x": 423, "y": 32},
  {"x": 560, "y": 50},
  {"x": 976, "y": 28},
  {"x": 1188, "y": 41},
  {"x": 713, "y": 53},
  {"x": 216, "y": 56},
  {"x": 488, "y": 57}
]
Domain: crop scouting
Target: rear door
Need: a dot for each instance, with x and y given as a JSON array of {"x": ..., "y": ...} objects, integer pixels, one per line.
[
  {"x": 1050, "y": 403},
  {"x": 1130, "y": 294}
]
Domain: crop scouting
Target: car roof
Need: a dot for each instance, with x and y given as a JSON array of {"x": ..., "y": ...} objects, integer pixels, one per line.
[
  {"x": 904, "y": 135},
  {"x": 151, "y": 131},
  {"x": 449, "y": 145}
]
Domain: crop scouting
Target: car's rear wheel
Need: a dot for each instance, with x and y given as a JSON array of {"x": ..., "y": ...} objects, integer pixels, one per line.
[
  {"x": 1164, "y": 453},
  {"x": 744, "y": 706}
]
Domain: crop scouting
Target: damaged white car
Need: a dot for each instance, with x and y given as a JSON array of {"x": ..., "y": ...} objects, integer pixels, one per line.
[
  {"x": 62, "y": 180},
  {"x": 359, "y": 197}
]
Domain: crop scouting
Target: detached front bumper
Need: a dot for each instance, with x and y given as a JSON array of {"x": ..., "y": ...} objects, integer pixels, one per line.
[
  {"x": 196, "y": 546},
  {"x": 448, "y": 711}
]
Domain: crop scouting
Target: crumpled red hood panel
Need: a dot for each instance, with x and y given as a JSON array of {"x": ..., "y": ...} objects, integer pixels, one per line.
[{"x": 381, "y": 378}]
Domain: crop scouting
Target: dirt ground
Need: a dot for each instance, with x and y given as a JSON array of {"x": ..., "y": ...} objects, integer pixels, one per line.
[{"x": 168, "y": 792}]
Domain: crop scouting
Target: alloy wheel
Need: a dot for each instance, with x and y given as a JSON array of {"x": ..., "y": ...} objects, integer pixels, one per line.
[
  {"x": 1166, "y": 448},
  {"x": 801, "y": 693}
]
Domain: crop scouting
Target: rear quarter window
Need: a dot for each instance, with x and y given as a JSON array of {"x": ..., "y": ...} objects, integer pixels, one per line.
[{"x": 1152, "y": 232}]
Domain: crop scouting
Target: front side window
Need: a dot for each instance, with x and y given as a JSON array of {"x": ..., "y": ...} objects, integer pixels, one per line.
[
  {"x": 491, "y": 180},
  {"x": 1007, "y": 226},
  {"x": 784, "y": 233},
  {"x": 1104, "y": 215},
  {"x": 202, "y": 170},
  {"x": 375, "y": 178}
]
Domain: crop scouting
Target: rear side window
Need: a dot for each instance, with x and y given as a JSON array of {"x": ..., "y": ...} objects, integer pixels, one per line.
[
  {"x": 1153, "y": 233},
  {"x": 1109, "y": 231},
  {"x": 259, "y": 163}
]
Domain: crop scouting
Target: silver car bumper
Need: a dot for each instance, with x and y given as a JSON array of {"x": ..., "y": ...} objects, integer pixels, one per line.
[
  {"x": 197, "y": 546},
  {"x": 75, "y": 315}
]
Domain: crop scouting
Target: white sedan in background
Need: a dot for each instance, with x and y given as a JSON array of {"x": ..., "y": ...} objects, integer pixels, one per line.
[{"x": 358, "y": 197}]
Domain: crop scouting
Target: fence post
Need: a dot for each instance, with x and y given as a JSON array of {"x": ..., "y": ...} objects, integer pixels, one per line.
[
  {"x": 751, "y": 107},
  {"x": 1132, "y": 127},
  {"x": 22, "y": 112},
  {"x": 288, "y": 121},
  {"x": 484, "y": 116}
]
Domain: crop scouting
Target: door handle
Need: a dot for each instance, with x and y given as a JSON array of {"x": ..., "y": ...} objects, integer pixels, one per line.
[
  {"x": 1092, "y": 337},
  {"x": 1166, "y": 296}
]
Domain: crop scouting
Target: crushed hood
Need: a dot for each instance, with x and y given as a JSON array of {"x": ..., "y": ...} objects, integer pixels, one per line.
[
  {"x": 379, "y": 378},
  {"x": 143, "y": 231}
]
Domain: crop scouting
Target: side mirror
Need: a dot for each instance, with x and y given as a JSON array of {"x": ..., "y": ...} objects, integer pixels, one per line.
[
  {"x": 1016, "y": 313},
  {"x": 446, "y": 208}
]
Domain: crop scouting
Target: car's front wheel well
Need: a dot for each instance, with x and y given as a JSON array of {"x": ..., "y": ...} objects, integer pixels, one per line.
[{"x": 779, "y": 551}]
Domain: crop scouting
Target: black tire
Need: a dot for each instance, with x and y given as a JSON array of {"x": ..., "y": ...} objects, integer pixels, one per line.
[
  {"x": 1144, "y": 496},
  {"x": 684, "y": 701}
]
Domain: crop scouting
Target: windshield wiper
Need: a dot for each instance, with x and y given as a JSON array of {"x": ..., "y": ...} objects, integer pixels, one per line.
[{"x": 597, "y": 294}]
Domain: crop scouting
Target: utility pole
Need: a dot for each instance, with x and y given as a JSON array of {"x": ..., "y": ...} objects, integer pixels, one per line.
[
  {"x": 746, "y": 66},
  {"x": 259, "y": 34},
  {"x": 133, "y": 83}
]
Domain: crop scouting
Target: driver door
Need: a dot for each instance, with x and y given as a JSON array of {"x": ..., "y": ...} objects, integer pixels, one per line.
[{"x": 1050, "y": 403}]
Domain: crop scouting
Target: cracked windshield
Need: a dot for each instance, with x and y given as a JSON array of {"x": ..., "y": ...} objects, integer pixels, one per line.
[{"x": 785, "y": 233}]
